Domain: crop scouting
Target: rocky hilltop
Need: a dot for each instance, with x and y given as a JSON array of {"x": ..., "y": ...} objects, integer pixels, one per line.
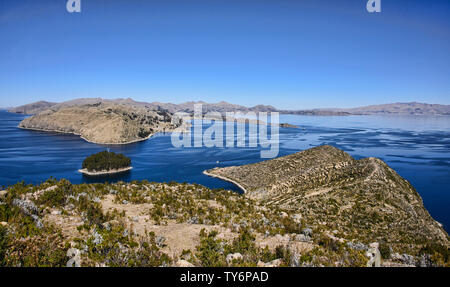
[
  {"x": 102, "y": 122},
  {"x": 361, "y": 200}
]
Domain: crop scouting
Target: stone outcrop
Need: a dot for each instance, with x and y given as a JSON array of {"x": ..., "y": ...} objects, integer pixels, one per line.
[{"x": 183, "y": 263}]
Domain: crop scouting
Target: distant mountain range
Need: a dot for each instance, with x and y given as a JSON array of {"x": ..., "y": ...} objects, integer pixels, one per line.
[
  {"x": 188, "y": 107},
  {"x": 412, "y": 108}
]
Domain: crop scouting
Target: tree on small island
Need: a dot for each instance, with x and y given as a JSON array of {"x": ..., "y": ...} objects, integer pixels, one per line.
[{"x": 106, "y": 161}]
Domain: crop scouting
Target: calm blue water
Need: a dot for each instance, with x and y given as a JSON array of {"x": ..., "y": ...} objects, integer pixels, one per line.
[{"x": 418, "y": 148}]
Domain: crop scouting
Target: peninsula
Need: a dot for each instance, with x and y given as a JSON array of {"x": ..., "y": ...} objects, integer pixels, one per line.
[
  {"x": 361, "y": 200},
  {"x": 103, "y": 122}
]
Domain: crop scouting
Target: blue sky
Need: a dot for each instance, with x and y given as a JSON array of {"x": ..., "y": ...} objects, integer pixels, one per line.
[{"x": 290, "y": 54}]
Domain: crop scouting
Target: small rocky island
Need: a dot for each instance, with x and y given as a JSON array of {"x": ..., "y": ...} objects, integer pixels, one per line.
[{"x": 105, "y": 162}]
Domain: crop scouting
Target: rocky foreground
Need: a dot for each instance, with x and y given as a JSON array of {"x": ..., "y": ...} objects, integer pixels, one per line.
[
  {"x": 319, "y": 207},
  {"x": 103, "y": 123}
]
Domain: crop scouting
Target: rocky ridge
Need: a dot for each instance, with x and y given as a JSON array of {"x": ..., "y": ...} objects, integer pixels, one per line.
[{"x": 360, "y": 199}]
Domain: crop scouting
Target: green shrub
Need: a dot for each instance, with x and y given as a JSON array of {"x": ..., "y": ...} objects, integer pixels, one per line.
[
  {"x": 284, "y": 254},
  {"x": 440, "y": 254},
  {"x": 93, "y": 210},
  {"x": 56, "y": 197},
  {"x": 244, "y": 243},
  {"x": 3, "y": 244},
  {"x": 37, "y": 251},
  {"x": 209, "y": 251},
  {"x": 385, "y": 250},
  {"x": 5, "y": 212}
]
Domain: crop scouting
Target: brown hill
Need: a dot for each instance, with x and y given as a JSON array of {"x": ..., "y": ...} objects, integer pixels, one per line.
[{"x": 103, "y": 123}]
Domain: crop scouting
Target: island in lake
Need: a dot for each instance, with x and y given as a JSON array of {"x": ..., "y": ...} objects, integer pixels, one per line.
[{"x": 105, "y": 162}]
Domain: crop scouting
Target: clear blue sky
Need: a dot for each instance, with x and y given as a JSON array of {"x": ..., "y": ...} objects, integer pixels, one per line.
[{"x": 291, "y": 54}]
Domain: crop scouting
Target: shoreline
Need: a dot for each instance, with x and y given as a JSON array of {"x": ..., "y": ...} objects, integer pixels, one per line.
[
  {"x": 226, "y": 179},
  {"x": 94, "y": 173},
  {"x": 83, "y": 138}
]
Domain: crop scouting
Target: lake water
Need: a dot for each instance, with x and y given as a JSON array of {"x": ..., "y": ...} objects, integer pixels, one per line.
[{"x": 418, "y": 148}]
